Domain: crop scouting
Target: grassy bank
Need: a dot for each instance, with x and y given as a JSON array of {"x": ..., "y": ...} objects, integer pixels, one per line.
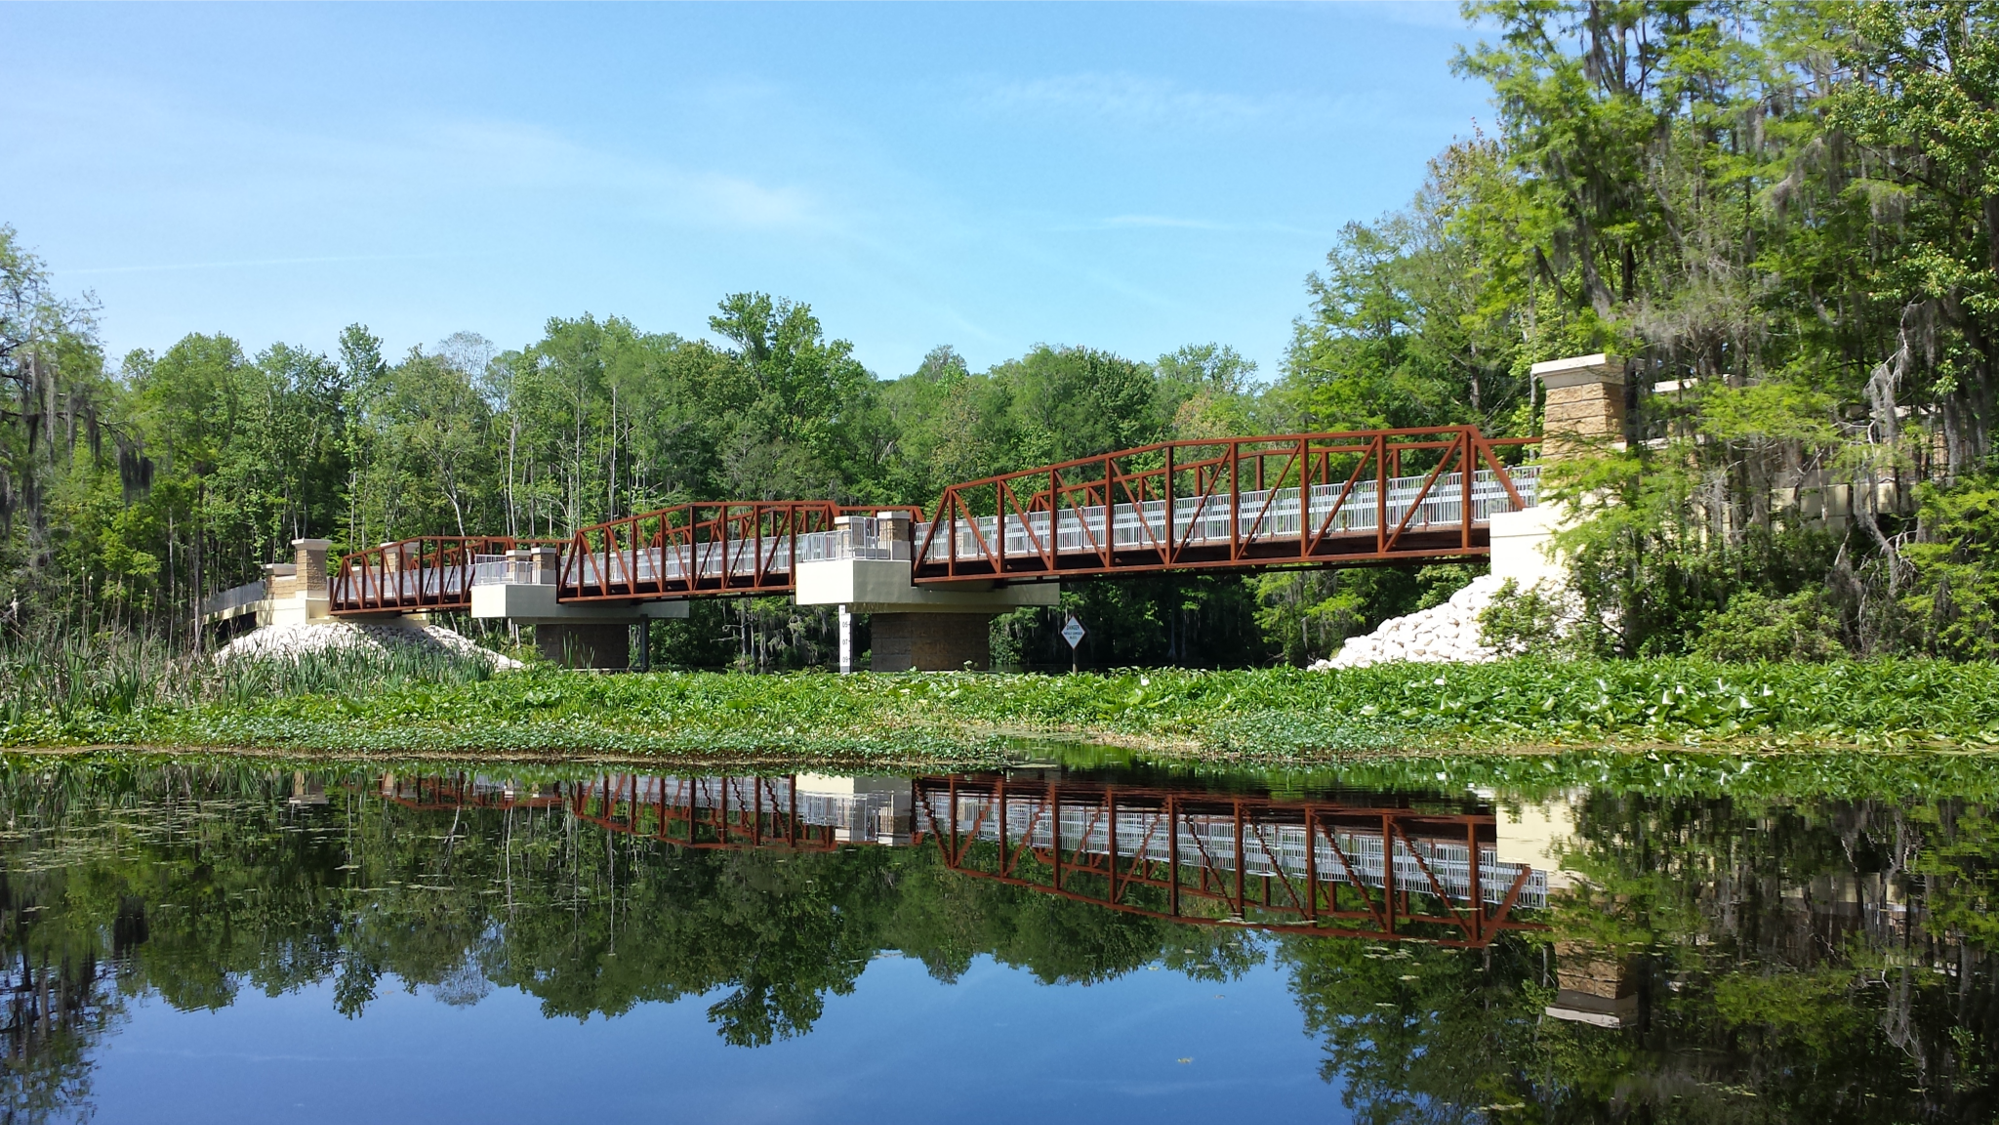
[{"x": 1268, "y": 716}]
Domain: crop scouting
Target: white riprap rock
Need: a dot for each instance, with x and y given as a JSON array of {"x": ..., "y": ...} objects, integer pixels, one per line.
[
  {"x": 289, "y": 642},
  {"x": 1447, "y": 633}
]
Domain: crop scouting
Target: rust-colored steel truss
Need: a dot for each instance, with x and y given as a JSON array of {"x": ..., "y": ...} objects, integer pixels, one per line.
[
  {"x": 430, "y": 572},
  {"x": 723, "y": 548},
  {"x": 464, "y": 791},
  {"x": 1317, "y": 868},
  {"x": 703, "y": 812},
  {"x": 1332, "y": 498}
]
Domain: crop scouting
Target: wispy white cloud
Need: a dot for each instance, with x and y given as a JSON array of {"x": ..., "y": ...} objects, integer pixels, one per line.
[{"x": 1133, "y": 99}]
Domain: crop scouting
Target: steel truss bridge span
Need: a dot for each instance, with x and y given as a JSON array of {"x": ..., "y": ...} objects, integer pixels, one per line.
[
  {"x": 429, "y": 572},
  {"x": 1244, "y": 503},
  {"x": 1366, "y": 496}
]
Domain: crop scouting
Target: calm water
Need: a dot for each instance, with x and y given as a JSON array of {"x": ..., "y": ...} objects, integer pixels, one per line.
[{"x": 208, "y": 940}]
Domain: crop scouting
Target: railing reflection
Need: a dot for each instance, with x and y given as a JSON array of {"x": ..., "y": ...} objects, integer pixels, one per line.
[{"x": 1348, "y": 866}]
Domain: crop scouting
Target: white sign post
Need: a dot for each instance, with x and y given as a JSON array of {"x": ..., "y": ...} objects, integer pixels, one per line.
[
  {"x": 846, "y": 640},
  {"x": 1073, "y": 633}
]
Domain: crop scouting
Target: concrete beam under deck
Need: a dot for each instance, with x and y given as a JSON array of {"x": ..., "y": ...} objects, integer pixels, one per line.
[
  {"x": 533, "y": 603},
  {"x": 884, "y": 586}
]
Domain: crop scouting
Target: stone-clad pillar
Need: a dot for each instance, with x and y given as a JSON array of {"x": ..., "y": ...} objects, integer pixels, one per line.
[
  {"x": 930, "y": 642},
  {"x": 1585, "y": 404},
  {"x": 311, "y": 555}
]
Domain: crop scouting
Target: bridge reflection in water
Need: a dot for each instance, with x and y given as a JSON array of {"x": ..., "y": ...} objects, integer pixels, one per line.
[{"x": 1347, "y": 865}]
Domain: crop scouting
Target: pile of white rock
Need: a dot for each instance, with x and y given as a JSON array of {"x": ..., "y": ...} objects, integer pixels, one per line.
[
  {"x": 296, "y": 640},
  {"x": 1444, "y": 633}
]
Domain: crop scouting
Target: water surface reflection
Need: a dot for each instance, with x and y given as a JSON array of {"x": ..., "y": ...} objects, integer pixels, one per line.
[{"x": 1573, "y": 952}]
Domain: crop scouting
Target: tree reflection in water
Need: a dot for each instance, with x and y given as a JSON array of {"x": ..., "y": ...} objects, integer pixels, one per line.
[{"x": 1706, "y": 958}]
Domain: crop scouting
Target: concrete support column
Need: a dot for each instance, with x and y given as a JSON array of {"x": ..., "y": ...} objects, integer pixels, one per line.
[
  {"x": 594, "y": 645},
  {"x": 931, "y": 642},
  {"x": 1585, "y": 404}
]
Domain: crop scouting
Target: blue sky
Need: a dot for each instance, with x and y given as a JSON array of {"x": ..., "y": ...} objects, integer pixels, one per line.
[{"x": 1132, "y": 177}]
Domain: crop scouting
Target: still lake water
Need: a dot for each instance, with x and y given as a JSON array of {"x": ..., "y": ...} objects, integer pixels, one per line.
[{"x": 220, "y": 940}]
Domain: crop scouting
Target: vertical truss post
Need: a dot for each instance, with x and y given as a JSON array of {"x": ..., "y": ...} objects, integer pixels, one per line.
[
  {"x": 1172, "y": 857},
  {"x": 1005, "y": 850},
  {"x": 1110, "y": 837},
  {"x": 1235, "y": 500},
  {"x": 956, "y": 857},
  {"x": 1476, "y": 900},
  {"x": 1388, "y": 873},
  {"x": 1311, "y": 868},
  {"x": 1055, "y": 831},
  {"x": 1465, "y": 465},
  {"x": 1241, "y": 901}
]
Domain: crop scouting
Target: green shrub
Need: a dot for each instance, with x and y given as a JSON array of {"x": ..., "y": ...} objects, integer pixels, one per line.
[
  {"x": 1534, "y": 620},
  {"x": 1756, "y": 627},
  {"x": 1953, "y": 606}
]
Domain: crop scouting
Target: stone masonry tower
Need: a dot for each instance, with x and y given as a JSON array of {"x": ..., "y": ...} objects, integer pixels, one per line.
[{"x": 1585, "y": 404}]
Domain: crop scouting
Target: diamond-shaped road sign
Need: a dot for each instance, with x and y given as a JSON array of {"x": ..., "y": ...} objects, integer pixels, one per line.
[{"x": 1073, "y": 632}]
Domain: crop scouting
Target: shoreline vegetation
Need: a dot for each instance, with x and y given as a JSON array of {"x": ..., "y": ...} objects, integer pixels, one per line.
[{"x": 367, "y": 704}]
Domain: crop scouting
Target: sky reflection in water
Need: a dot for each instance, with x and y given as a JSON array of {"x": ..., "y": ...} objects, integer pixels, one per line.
[{"x": 217, "y": 940}]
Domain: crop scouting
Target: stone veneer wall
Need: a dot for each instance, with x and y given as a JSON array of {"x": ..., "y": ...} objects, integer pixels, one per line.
[{"x": 930, "y": 642}]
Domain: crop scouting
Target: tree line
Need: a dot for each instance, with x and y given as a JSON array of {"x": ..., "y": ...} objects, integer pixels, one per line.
[{"x": 1784, "y": 214}]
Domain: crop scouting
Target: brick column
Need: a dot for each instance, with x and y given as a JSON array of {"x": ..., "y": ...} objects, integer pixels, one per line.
[{"x": 1585, "y": 404}]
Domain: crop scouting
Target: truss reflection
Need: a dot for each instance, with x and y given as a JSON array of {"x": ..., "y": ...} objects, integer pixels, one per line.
[{"x": 1354, "y": 866}]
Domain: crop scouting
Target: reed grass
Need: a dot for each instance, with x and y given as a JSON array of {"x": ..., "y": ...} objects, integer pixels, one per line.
[{"x": 74, "y": 679}]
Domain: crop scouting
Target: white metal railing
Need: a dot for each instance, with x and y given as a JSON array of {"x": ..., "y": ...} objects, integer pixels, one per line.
[
  {"x": 444, "y": 583},
  {"x": 863, "y": 537},
  {"x": 675, "y": 563}
]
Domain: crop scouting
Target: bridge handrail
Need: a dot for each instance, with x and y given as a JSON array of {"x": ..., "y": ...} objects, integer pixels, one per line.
[{"x": 235, "y": 597}]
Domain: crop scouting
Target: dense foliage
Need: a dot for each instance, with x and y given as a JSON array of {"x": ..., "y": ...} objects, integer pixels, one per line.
[{"x": 1784, "y": 214}]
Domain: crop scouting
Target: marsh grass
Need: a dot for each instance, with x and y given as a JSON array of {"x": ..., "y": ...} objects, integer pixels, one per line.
[
  {"x": 135, "y": 692},
  {"x": 70, "y": 677}
]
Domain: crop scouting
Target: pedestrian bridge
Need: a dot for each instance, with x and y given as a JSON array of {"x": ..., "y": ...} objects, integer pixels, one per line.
[{"x": 1245, "y": 503}]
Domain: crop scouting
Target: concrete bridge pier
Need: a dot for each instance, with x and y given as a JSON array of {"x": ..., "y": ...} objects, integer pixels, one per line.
[
  {"x": 576, "y": 634},
  {"x": 935, "y": 627},
  {"x": 931, "y": 642}
]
